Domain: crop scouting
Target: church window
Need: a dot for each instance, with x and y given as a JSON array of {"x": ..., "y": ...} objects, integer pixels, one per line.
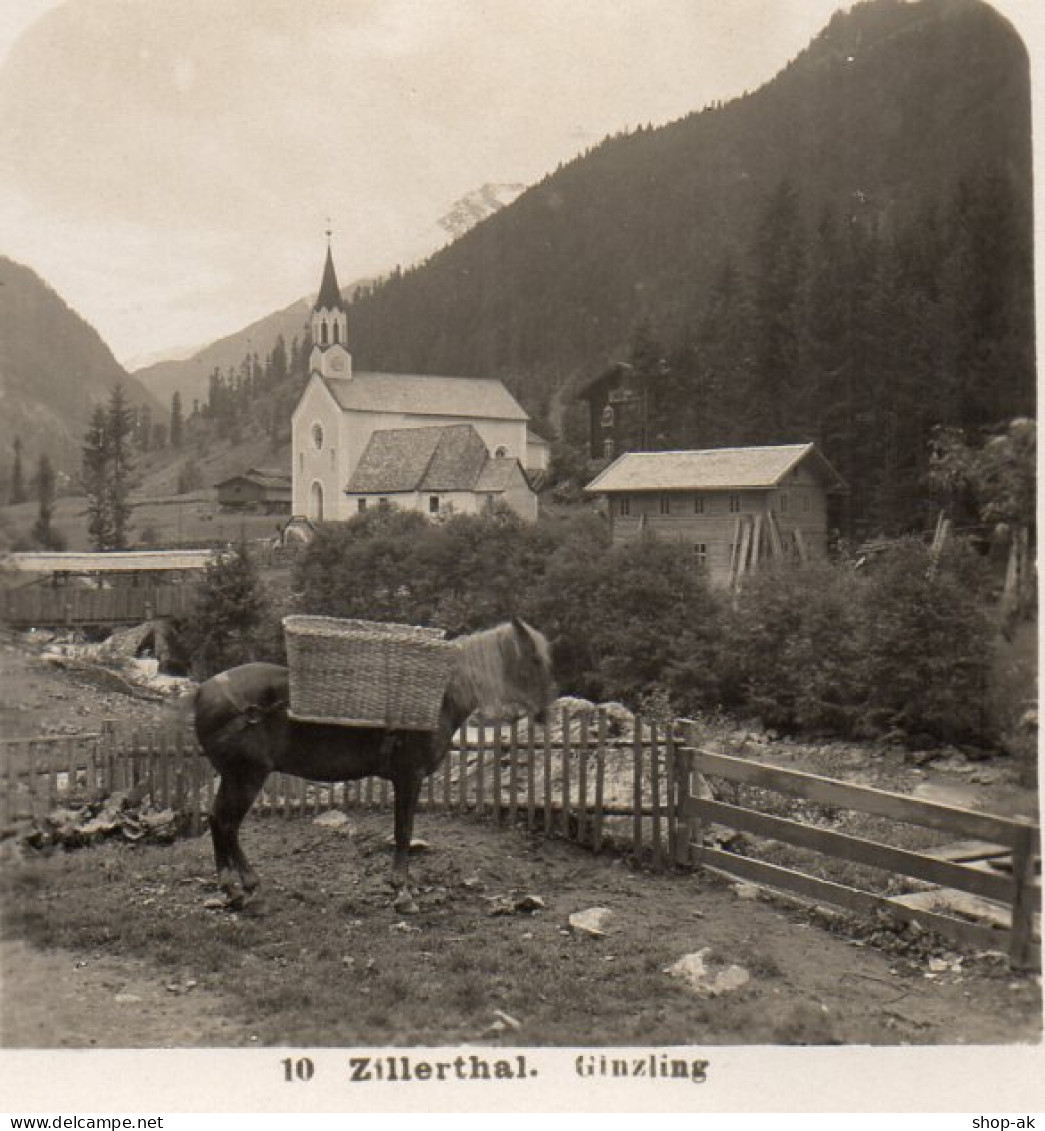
[
  {"x": 607, "y": 417},
  {"x": 336, "y": 332},
  {"x": 323, "y": 333},
  {"x": 501, "y": 452},
  {"x": 317, "y": 436}
]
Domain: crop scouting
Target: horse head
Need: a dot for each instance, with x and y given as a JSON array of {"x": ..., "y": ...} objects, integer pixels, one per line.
[{"x": 533, "y": 678}]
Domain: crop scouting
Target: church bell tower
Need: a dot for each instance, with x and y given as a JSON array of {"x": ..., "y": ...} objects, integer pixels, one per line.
[{"x": 330, "y": 356}]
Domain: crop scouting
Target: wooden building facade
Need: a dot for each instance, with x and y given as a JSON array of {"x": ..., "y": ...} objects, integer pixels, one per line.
[{"x": 733, "y": 506}]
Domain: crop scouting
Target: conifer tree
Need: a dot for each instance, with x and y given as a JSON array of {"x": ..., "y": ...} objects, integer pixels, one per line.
[{"x": 18, "y": 494}]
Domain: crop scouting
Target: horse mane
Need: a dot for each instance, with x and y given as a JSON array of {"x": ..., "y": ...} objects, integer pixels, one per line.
[{"x": 481, "y": 674}]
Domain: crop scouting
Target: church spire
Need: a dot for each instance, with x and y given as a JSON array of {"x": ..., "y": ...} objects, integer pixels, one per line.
[
  {"x": 329, "y": 297},
  {"x": 330, "y": 354}
]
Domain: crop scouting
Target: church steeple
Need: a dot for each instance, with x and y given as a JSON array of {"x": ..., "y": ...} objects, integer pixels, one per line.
[{"x": 330, "y": 355}]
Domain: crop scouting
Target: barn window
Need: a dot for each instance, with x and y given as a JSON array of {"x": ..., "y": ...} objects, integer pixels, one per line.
[
  {"x": 433, "y": 504},
  {"x": 624, "y": 506},
  {"x": 608, "y": 449},
  {"x": 700, "y": 554},
  {"x": 698, "y": 504},
  {"x": 734, "y": 504},
  {"x": 665, "y": 504},
  {"x": 607, "y": 417},
  {"x": 360, "y": 505},
  {"x": 783, "y": 502}
]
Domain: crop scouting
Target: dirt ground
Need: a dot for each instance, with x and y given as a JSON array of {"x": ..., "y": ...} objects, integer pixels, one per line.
[{"x": 122, "y": 946}]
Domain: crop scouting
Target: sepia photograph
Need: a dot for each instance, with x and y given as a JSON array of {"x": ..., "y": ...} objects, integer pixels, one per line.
[{"x": 518, "y": 556}]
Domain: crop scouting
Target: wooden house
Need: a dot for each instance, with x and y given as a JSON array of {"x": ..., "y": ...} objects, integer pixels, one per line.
[
  {"x": 618, "y": 412},
  {"x": 259, "y": 489},
  {"x": 734, "y": 506}
]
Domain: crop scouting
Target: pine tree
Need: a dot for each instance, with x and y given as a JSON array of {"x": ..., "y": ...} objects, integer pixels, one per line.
[
  {"x": 18, "y": 492},
  {"x": 120, "y": 428},
  {"x": 177, "y": 421},
  {"x": 95, "y": 478},
  {"x": 45, "y": 482}
]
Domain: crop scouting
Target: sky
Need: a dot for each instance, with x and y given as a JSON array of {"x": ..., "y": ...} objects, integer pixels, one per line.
[{"x": 170, "y": 166}]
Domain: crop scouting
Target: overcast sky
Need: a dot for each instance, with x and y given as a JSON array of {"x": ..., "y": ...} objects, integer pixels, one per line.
[{"x": 169, "y": 165}]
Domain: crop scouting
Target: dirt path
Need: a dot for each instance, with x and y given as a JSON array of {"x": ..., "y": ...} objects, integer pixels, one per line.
[{"x": 65, "y": 999}]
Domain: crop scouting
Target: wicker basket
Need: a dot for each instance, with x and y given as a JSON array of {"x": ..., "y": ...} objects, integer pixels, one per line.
[{"x": 361, "y": 673}]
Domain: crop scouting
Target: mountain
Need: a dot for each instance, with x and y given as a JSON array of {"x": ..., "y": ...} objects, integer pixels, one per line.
[
  {"x": 54, "y": 369},
  {"x": 190, "y": 376},
  {"x": 888, "y": 108},
  {"x": 474, "y": 207}
]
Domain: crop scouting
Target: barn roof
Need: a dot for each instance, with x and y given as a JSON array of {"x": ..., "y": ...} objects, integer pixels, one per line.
[
  {"x": 112, "y": 561},
  {"x": 268, "y": 478},
  {"x": 710, "y": 469},
  {"x": 416, "y": 394}
]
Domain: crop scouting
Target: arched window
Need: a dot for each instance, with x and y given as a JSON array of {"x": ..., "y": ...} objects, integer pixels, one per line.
[
  {"x": 608, "y": 449},
  {"x": 607, "y": 417},
  {"x": 317, "y": 436},
  {"x": 501, "y": 452},
  {"x": 323, "y": 333},
  {"x": 337, "y": 330},
  {"x": 315, "y": 502}
]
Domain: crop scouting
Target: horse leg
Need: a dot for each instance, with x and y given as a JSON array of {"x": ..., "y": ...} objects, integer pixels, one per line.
[
  {"x": 239, "y": 787},
  {"x": 407, "y": 789}
]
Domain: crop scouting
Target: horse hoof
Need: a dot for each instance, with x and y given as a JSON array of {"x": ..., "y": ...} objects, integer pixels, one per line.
[{"x": 405, "y": 904}]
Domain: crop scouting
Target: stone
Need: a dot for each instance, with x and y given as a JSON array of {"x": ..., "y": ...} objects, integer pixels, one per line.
[
  {"x": 529, "y": 903},
  {"x": 332, "y": 819},
  {"x": 746, "y": 891},
  {"x": 706, "y": 976},
  {"x": 593, "y": 922}
]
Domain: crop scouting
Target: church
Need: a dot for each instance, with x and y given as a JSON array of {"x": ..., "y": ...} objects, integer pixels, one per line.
[{"x": 438, "y": 445}]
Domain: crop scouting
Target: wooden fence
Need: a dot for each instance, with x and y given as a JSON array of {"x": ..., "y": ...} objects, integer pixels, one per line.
[
  {"x": 588, "y": 786},
  {"x": 1018, "y": 891}
]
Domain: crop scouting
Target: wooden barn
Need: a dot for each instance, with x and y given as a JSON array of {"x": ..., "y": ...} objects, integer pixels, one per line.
[
  {"x": 259, "y": 489},
  {"x": 734, "y": 506}
]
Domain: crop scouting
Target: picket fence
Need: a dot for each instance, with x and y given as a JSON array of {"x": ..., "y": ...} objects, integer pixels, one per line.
[{"x": 647, "y": 794}]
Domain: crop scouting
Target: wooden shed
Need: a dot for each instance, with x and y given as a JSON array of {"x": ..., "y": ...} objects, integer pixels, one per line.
[
  {"x": 259, "y": 489},
  {"x": 734, "y": 506}
]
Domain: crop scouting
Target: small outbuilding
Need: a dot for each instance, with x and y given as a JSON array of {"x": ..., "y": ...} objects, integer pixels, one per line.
[
  {"x": 733, "y": 506},
  {"x": 259, "y": 489}
]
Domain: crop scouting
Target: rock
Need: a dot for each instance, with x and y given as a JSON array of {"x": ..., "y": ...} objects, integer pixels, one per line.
[
  {"x": 529, "y": 903},
  {"x": 507, "y": 1020},
  {"x": 126, "y": 999},
  {"x": 405, "y": 904},
  {"x": 706, "y": 976},
  {"x": 746, "y": 891},
  {"x": 332, "y": 819},
  {"x": 593, "y": 922}
]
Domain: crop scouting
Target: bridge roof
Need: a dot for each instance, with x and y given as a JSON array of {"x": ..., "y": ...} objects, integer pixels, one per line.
[{"x": 112, "y": 561}]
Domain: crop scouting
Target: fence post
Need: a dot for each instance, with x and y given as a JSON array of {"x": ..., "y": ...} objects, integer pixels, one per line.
[
  {"x": 691, "y": 829},
  {"x": 654, "y": 781},
  {"x": 513, "y": 771},
  {"x": 480, "y": 769},
  {"x": 600, "y": 781},
  {"x": 566, "y": 773},
  {"x": 583, "y": 742},
  {"x": 531, "y": 772},
  {"x": 636, "y": 817},
  {"x": 671, "y": 791},
  {"x": 548, "y": 821},
  {"x": 498, "y": 755},
  {"x": 1022, "y": 908}
]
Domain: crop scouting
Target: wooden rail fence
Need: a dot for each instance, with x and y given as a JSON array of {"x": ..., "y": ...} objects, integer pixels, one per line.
[
  {"x": 1019, "y": 891},
  {"x": 45, "y": 606},
  {"x": 589, "y": 786}
]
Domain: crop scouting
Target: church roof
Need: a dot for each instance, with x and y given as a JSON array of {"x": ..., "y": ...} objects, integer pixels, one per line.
[
  {"x": 418, "y": 395},
  {"x": 450, "y": 458},
  {"x": 329, "y": 297}
]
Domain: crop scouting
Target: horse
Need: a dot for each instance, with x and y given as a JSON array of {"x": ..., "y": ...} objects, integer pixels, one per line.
[{"x": 244, "y": 728}]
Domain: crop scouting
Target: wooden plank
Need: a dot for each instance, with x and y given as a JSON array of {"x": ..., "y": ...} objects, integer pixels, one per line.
[
  {"x": 384, "y": 793},
  {"x": 800, "y": 545},
  {"x": 31, "y": 777},
  {"x": 671, "y": 789},
  {"x": 72, "y": 772},
  {"x": 583, "y": 816},
  {"x": 531, "y": 771},
  {"x": 447, "y": 781},
  {"x": 480, "y": 768},
  {"x": 658, "y": 849},
  {"x": 828, "y": 791},
  {"x": 566, "y": 771},
  {"x": 1023, "y": 906},
  {"x": 636, "y": 786},
  {"x": 756, "y": 544},
  {"x": 734, "y": 552},
  {"x": 691, "y": 834},
  {"x": 166, "y": 783},
  {"x": 513, "y": 772},
  {"x": 462, "y": 780},
  {"x": 852, "y": 899},
  {"x": 773, "y": 529},
  {"x": 600, "y": 781},
  {"x": 860, "y": 851},
  {"x": 498, "y": 755},
  {"x": 548, "y": 822},
  {"x": 745, "y": 546}
]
